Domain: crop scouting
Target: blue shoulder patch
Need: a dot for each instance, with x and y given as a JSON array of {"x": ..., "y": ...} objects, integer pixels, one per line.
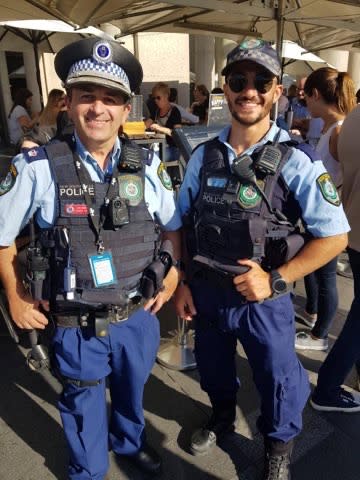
[
  {"x": 308, "y": 150},
  {"x": 33, "y": 154}
]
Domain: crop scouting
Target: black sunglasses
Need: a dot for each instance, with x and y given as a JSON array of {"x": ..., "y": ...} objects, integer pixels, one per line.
[{"x": 238, "y": 81}]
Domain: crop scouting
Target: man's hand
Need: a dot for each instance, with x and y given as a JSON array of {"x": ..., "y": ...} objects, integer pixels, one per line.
[
  {"x": 183, "y": 301},
  {"x": 169, "y": 285},
  {"x": 25, "y": 312},
  {"x": 255, "y": 284}
]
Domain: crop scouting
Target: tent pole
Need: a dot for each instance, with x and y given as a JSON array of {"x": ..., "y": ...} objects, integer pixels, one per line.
[
  {"x": 38, "y": 77},
  {"x": 279, "y": 40}
]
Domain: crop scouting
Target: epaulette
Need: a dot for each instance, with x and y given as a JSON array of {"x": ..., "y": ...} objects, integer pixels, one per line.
[
  {"x": 308, "y": 150},
  {"x": 34, "y": 154}
]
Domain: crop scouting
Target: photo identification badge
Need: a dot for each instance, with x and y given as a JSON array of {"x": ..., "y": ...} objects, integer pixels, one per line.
[{"x": 102, "y": 269}]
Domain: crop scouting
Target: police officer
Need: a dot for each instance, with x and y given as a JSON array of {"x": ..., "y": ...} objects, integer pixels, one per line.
[
  {"x": 242, "y": 195},
  {"x": 98, "y": 202}
]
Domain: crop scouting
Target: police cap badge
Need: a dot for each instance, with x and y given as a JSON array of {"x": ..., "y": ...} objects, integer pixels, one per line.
[{"x": 101, "y": 62}]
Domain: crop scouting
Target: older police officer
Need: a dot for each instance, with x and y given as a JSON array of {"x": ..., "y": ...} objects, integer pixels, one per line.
[
  {"x": 98, "y": 202},
  {"x": 241, "y": 198}
]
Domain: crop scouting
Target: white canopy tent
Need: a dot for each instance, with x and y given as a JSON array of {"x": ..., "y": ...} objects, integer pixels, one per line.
[
  {"x": 314, "y": 24},
  {"x": 41, "y": 36},
  {"x": 297, "y": 61}
]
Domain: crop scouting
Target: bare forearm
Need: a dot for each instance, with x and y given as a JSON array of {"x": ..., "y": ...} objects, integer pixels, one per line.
[
  {"x": 9, "y": 274},
  {"x": 316, "y": 253}
]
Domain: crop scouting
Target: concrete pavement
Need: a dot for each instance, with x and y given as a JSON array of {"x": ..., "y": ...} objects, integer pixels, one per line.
[{"x": 32, "y": 445}]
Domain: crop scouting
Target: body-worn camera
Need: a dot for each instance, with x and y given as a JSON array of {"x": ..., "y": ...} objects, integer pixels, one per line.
[{"x": 118, "y": 212}]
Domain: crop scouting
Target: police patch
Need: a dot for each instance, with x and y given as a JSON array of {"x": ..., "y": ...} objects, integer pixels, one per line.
[
  {"x": 75, "y": 210},
  {"x": 164, "y": 176},
  {"x": 131, "y": 189},
  {"x": 252, "y": 43},
  {"x": 328, "y": 189},
  {"x": 8, "y": 182},
  {"x": 248, "y": 196}
]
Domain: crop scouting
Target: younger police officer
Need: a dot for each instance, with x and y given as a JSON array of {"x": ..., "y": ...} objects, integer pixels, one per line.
[
  {"x": 241, "y": 197},
  {"x": 98, "y": 202}
]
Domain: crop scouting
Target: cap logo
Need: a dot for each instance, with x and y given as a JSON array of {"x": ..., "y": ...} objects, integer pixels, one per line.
[
  {"x": 252, "y": 44},
  {"x": 102, "y": 52}
]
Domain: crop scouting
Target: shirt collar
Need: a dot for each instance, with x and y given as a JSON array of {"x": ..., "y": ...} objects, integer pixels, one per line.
[
  {"x": 269, "y": 136},
  {"x": 87, "y": 158}
]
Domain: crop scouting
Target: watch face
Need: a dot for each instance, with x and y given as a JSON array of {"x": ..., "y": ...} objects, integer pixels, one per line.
[{"x": 279, "y": 285}]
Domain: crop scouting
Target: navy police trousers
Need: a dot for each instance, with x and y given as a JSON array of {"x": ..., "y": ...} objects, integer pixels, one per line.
[
  {"x": 126, "y": 356},
  {"x": 266, "y": 331}
]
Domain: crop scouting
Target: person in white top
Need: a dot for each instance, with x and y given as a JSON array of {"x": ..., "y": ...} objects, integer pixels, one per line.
[
  {"x": 330, "y": 95},
  {"x": 19, "y": 119}
]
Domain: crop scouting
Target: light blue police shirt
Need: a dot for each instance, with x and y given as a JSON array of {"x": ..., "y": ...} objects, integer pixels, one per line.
[
  {"x": 34, "y": 193},
  {"x": 322, "y": 218}
]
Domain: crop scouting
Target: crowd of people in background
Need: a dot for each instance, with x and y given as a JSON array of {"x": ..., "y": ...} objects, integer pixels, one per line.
[{"x": 320, "y": 110}]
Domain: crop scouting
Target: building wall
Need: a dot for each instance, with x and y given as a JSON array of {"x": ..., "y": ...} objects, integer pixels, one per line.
[{"x": 170, "y": 64}]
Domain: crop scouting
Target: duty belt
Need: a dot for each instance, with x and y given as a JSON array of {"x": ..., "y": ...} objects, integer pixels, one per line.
[{"x": 99, "y": 319}]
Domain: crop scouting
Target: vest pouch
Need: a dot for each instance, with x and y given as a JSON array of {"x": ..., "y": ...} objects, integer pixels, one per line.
[
  {"x": 227, "y": 240},
  {"x": 152, "y": 279},
  {"x": 284, "y": 249}
]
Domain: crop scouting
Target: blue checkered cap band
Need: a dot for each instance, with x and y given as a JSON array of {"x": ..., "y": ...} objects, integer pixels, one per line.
[
  {"x": 105, "y": 73},
  {"x": 257, "y": 51}
]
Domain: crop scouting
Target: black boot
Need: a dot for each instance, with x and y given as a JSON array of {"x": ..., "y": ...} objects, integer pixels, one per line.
[
  {"x": 277, "y": 459},
  {"x": 147, "y": 460},
  {"x": 221, "y": 422}
]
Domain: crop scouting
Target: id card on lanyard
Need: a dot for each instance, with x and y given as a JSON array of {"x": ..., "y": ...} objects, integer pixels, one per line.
[
  {"x": 102, "y": 269},
  {"x": 101, "y": 262}
]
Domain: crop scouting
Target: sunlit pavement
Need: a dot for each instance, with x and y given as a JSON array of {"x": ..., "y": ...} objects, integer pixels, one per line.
[{"x": 32, "y": 446}]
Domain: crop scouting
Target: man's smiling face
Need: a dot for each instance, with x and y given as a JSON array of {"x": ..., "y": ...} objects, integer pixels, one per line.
[
  {"x": 97, "y": 113},
  {"x": 252, "y": 103}
]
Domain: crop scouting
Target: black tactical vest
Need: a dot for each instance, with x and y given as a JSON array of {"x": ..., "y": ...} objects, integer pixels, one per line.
[
  {"x": 231, "y": 220},
  {"x": 133, "y": 245}
]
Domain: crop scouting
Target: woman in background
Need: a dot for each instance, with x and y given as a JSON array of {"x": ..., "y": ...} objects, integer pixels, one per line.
[
  {"x": 20, "y": 118},
  {"x": 48, "y": 117},
  {"x": 329, "y": 95},
  {"x": 200, "y": 106},
  {"x": 166, "y": 118}
]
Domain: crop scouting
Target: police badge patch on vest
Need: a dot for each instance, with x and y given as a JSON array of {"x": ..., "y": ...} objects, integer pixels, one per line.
[
  {"x": 328, "y": 189},
  {"x": 164, "y": 176},
  {"x": 249, "y": 196},
  {"x": 131, "y": 189},
  {"x": 8, "y": 182}
]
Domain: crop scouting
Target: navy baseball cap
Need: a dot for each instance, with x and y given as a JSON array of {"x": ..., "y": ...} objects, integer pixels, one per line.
[
  {"x": 257, "y": 51},
  {"x": 100, "y": 62}
]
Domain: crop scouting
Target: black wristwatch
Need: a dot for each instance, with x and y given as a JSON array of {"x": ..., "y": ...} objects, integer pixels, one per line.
[{"x": 278, "y": 285}]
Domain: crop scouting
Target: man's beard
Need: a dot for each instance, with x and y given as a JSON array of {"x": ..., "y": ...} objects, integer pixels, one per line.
[{"x": 246, "y": 121}]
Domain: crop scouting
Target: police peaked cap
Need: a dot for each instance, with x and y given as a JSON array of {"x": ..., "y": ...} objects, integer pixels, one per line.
[
  {"x": 256, "y": 50},
  {"x": 101, "y": 62}
]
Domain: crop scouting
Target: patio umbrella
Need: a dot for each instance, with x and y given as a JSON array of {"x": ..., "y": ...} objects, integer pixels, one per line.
[{"x": 41, "y": 36}]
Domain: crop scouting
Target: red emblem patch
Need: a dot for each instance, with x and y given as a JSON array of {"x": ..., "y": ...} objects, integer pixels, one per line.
[{"x": 76, "y": 209}]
